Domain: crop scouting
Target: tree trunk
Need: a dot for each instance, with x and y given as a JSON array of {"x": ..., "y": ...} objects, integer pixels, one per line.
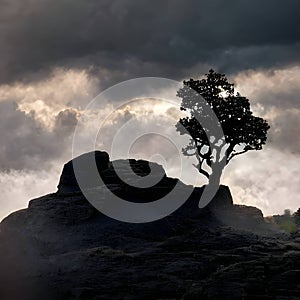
[{"x": 212, "y": 188}]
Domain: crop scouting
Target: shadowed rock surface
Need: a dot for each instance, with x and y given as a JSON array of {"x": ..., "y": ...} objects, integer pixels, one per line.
[{"x": 61, "y": 247}]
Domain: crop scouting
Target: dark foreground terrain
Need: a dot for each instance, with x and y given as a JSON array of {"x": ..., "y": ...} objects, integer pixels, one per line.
[{"x": 60, "y": 247}]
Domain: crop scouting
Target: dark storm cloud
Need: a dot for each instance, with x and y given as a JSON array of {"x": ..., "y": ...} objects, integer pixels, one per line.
[
  {"x": 275, "y": 96},
  {"x": 137, "y": 38},
  {"x": 285, "y": 133},
  {"x": 65, "y": 123},
  {"x": 27, "y": 144}
]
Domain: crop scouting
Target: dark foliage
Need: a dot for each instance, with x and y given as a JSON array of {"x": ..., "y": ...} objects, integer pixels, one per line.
[
  {"x": 297, "y": 217},
  {"x": 242, "y": 130}
]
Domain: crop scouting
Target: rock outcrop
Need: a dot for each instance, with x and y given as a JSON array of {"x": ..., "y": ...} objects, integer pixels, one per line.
[
  {"x": 68, "y": 182},
  {"x": 61, "y": 247}
]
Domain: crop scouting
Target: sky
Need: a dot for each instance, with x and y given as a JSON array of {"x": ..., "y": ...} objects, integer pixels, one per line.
[{"x": 57, "y": 56}]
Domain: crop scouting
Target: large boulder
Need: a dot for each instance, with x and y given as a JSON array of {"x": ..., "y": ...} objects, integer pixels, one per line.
[
  {"x": 118, "y": 172},
  {"x": 222, "y": 199},
  {"x": 130, "y": 170},
  {"x": 129, "y": 179},
  {"x": 68, "y": 181}
]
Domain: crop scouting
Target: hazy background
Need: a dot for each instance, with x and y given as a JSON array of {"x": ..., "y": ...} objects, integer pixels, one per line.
[{"x": 56, "y": 56}]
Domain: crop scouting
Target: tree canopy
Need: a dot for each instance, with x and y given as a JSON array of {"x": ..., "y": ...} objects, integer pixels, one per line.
[
  {"x": 242, "y": 130},
  {"x": 297, "y": 217}
]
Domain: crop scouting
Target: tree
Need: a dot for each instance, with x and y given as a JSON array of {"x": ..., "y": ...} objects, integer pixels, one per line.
[
  {"x": 297, "y": 217},
  {"x": 242, "y": 131}
]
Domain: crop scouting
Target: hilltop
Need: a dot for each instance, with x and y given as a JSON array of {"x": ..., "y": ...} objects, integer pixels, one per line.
[{"x": 61, "y": 247}]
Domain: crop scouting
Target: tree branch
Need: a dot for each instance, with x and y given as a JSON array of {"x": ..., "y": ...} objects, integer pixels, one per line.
[
  {"x": 235, "y": 154},
  {"x": 200, "y": 159},
  {"x": 229, "y": 151},
  {"x": 204, "y": 173}
]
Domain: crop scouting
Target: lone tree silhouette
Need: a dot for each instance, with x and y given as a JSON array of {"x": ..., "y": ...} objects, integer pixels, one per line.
[{"x": 242, "y": 131}]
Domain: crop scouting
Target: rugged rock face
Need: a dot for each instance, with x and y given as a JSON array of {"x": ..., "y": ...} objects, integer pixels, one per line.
[
  {"x": 68, "y": 182},
  {"x": 61, "y": 247}
]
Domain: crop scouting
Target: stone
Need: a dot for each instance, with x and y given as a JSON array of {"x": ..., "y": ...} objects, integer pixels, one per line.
[
  {"x": 68, "y": 182},
  {"x": 61, "y": 247}
]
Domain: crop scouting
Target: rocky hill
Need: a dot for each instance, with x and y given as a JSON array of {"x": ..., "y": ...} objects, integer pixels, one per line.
[{"x": 61, "y": 247}]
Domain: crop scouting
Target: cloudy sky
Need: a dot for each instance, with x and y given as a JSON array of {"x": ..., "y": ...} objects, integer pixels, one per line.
[{"x": 57, "y": 55}]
